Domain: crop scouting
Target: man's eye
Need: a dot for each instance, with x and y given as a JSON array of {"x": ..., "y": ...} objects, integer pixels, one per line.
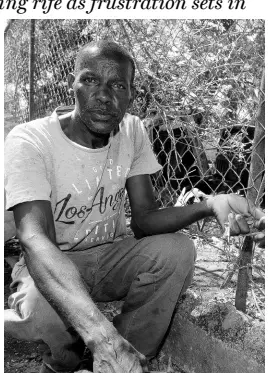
[
  {"x": 119, "y": 86},
  {"x": 90, "y": 80}
]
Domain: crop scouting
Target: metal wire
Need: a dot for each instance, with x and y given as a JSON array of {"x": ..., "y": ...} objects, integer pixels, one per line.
[{"x": 197, "y": 88}]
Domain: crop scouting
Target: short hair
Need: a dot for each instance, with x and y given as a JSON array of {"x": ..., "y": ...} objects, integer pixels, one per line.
[{"x": 108, "y": 49}]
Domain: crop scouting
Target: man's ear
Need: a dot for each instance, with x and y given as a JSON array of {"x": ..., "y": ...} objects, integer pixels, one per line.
[
  {"x": 133, "y": 94},
  {"x": 70, "y": 80}
]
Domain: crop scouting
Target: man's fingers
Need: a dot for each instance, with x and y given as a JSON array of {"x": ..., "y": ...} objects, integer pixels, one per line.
[
  {"x": 143, "y": 362},
  {"x": 238, "y": 204},
  {"x": 256, "y": 212},
  {"x": 238, "y": 224},
  {"x": 259, "y": 238},
  {"x": 243, "y": 206},
  {"x": 223, "y": 205},
  {"x": 260, "y": 224},
  {"x": 233, "y": 225},
  {"x": 242, "y": 224}
]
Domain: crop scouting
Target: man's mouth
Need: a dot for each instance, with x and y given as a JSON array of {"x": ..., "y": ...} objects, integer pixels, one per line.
[{"x": 102, "y": 115}]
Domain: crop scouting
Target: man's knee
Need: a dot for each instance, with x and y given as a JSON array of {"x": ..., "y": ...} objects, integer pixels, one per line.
[
  {"x": 178, "y": 259},
  {"x": 173, "y": 250},
  {"x": 176, "y": 247},
  {"x": 25, "y": 298},
  {"x": 29, "y": 313},
  {"x": 21, "y": 320},
  {"x": 180, "y": 246}
]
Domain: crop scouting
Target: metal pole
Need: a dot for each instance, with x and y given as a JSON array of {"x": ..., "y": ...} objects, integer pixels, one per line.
[
  {"x": 31, "y": 69},
  {"x": 255, "y": 184},
  {"x": 8, "y": 25}
]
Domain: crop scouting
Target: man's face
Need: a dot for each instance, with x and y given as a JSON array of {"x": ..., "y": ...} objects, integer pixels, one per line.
[{"x": 102, "y": 88}]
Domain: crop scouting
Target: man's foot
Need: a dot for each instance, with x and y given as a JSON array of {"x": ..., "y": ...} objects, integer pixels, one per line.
[{"x": 47, "y": 369}]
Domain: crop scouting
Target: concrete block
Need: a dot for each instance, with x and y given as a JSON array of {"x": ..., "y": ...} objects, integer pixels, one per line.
[
  {"x": 254, "y": 341},
  {"x": 194, "y": 351}
]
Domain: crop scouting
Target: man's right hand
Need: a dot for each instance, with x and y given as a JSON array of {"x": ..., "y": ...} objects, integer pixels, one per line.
[
  {"x": 64, "y": 288},
  {"x": 117, "y": 355}
]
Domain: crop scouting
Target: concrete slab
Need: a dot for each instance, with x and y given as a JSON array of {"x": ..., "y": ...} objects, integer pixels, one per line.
[{"x": 193, "y": 350}]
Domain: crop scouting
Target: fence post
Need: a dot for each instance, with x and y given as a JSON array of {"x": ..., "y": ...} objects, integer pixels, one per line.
[
  {"x": 31, "y": 69},
  {"x": 255, "y": 186},
  {"x": 8, "y": 25}
]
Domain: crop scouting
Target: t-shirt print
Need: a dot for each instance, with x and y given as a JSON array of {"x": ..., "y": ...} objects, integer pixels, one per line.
[{"x": 92, "y": 201}]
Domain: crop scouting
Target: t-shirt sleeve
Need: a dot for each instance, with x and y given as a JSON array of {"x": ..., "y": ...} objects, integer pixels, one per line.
[
  {"x": 144, "y": 161},
  {"x": 25, "y": 171}
]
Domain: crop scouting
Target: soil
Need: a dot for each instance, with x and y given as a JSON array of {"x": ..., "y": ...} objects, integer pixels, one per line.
[{"x": 215, "y": 260}]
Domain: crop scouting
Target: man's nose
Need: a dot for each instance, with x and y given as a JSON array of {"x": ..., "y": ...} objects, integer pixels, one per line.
[{"x": 103, "y": 95}]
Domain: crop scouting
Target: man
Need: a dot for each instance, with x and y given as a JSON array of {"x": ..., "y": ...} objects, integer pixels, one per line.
[{"x": 65, "y": 182}]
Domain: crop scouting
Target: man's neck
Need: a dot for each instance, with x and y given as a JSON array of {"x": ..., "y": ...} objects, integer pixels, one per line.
[{"x": 77, "y": 132}]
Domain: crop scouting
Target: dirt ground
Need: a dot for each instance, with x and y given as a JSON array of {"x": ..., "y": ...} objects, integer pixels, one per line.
[{"x": 214, "y": 262}]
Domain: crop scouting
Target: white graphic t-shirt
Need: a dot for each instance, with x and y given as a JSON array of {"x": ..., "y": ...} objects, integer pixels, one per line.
[{"x": 86, "y": 187}]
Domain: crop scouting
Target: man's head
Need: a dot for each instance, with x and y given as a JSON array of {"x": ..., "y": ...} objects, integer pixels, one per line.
[
  {"x": 109, "y": 49},
  {"x": 103, "y": 85}
]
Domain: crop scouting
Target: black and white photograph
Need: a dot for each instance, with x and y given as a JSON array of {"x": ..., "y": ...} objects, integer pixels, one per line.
[{"x": 134, "y": 208}]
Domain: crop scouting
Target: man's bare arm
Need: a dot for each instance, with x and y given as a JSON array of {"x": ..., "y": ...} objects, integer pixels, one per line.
[
  {"x": 148, "y": 219},
  {"x": 60, "y": 282},
  {"x": 54, "y": 273}
]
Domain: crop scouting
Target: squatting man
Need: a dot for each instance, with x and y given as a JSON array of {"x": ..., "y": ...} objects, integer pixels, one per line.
[{"x": 65, "y": 181}]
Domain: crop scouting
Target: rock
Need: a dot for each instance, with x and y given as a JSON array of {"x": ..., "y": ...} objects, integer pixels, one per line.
[
  {"x": 209, "y": 315},
  {"x": 235, "y": 319},
  {"x": 188, "y": 303}
]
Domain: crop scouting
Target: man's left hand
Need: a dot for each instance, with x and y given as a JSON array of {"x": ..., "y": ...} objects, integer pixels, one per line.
[
  {"x": 224, "y": 204},
  {"x": 239, "y": 225}
]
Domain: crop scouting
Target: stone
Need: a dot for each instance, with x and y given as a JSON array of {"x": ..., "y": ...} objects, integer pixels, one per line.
[
  {"x": 235, "y": 319},
  {"x": 189, "y": 301}
]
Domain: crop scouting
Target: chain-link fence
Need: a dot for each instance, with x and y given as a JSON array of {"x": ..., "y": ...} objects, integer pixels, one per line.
[
  {"x": 198, "y": 86},
  {"x": 197, "y": 81}
]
